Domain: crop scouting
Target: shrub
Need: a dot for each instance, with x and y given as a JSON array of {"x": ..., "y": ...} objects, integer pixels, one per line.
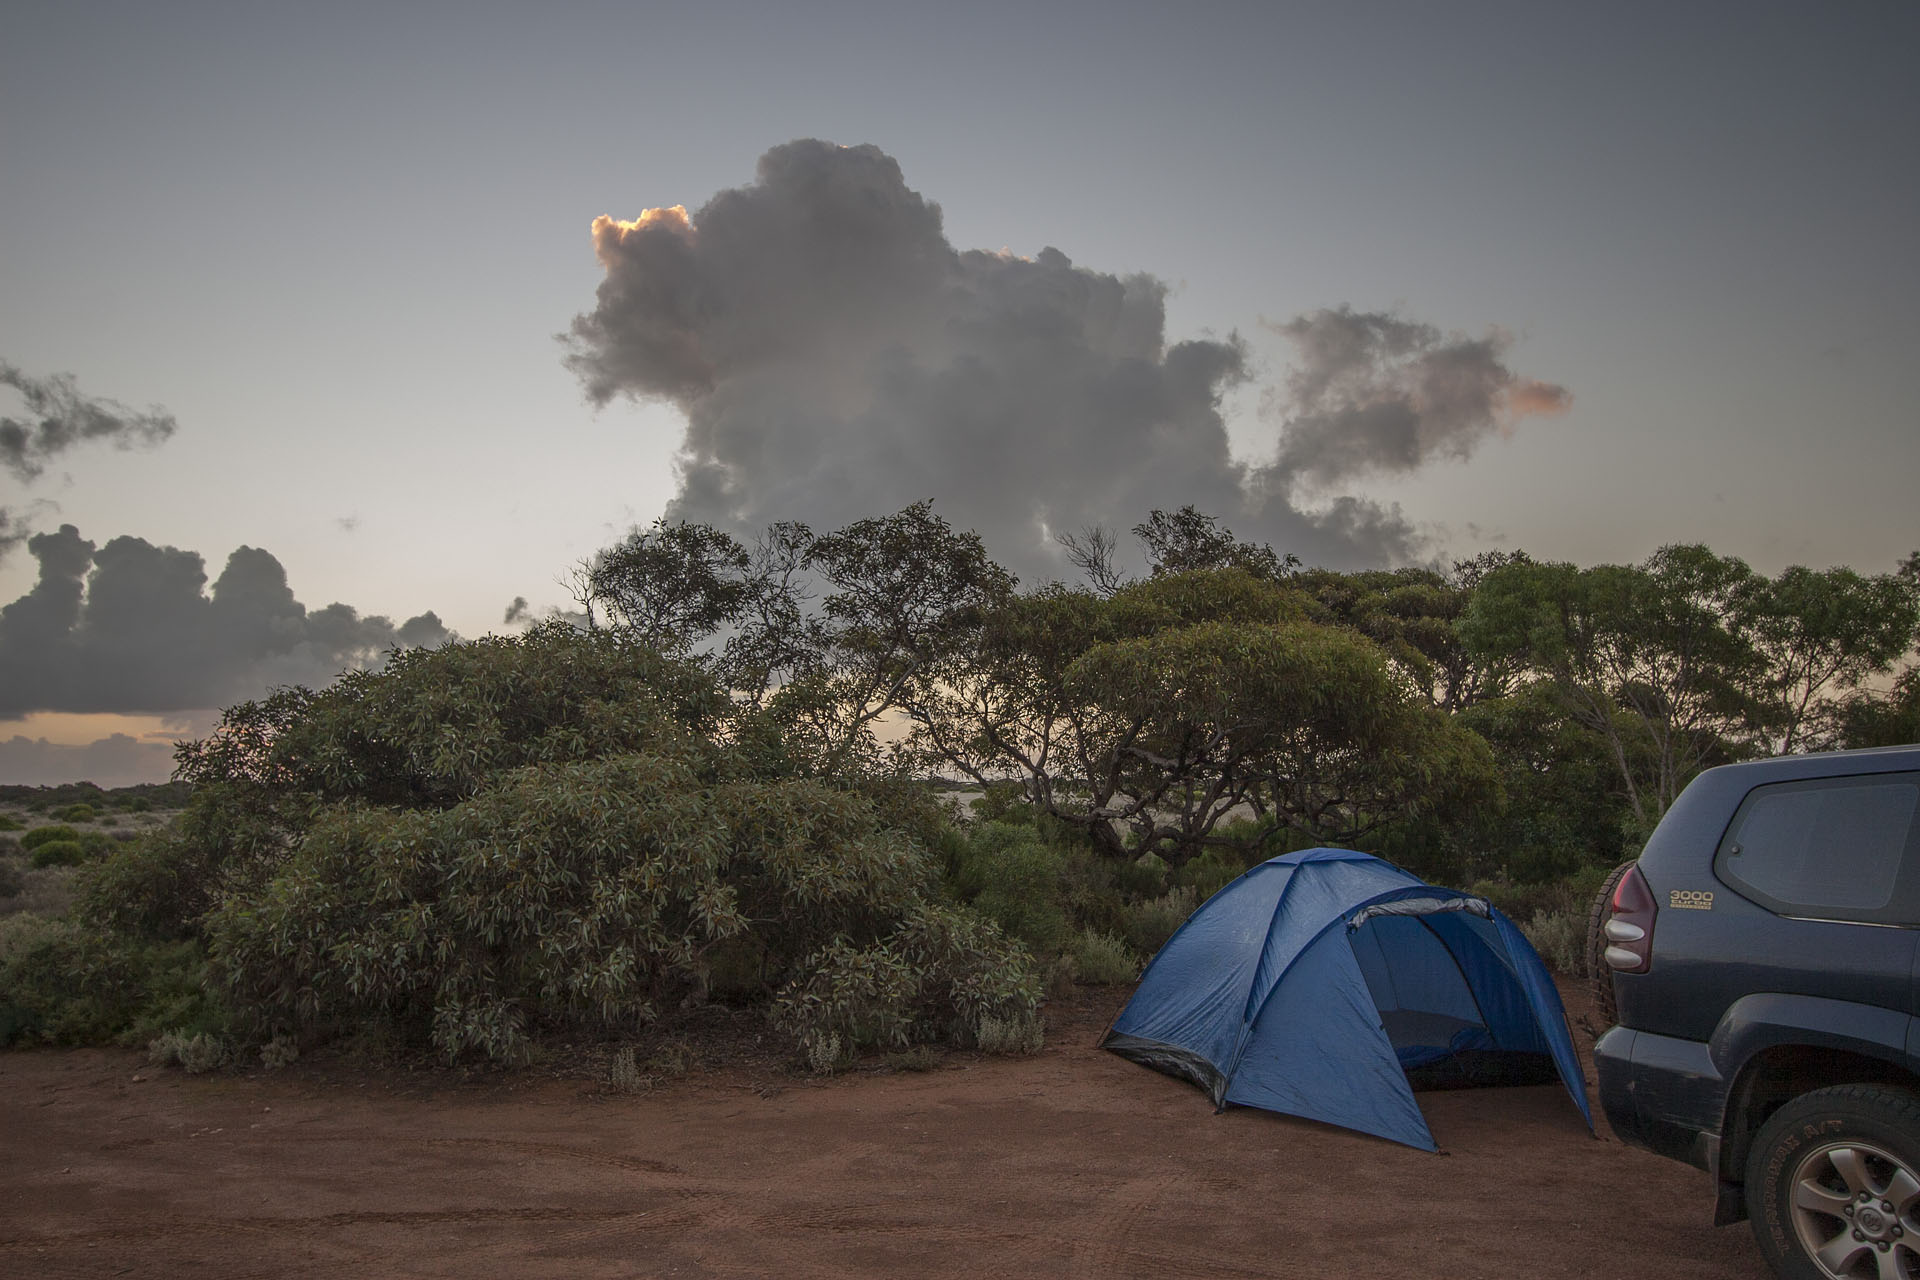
[
  {"x": 74, "y": 813},
  {"x": 42, "y": 835},
  {"x": 10, "y": 823},
  {"x": 13, "y": 882},
  {"x": 1009, "y": 875},
  {"x": 64, "y": 983},
  {"x": 58, "y": 853},
  {"x": 624, "y": 1074},
  {"x": 1212, "y": 871},
  {"x": 1101, "y": 960},
  {"x": 1561, "y": 939},
  {"x": 1152, "y": 922},
  {"x": 279, "y": 1052},
  {"x": 591, "y": 893},
  {"x": 192, "y": 1052},
  {"x": 1021, "y": 1034}
]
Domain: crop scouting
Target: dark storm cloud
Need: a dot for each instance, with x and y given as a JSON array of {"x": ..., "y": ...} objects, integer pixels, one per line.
[
  {"x": 836, "y": 357},
  {"x": 12, "y": 532},
  {"x": 58, "y": 417},
  {"x": 130, "y": 627},
  {"x": 1373, "y": 393}
]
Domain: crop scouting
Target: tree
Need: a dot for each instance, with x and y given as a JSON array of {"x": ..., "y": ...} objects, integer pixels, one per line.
[
  {"x": 672, "y": 585},
  {"x": 1186, "y": 540},
  {"x": 1891, "y": 719},
  {"x": 1148, "y": 718},
  {"x": 1820, "y": 634},
  {"x": 1647, "y": 656},
  {"x": 905, "y": 598}
]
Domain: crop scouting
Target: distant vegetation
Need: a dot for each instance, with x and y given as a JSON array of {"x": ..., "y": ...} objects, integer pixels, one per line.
[{"x": 718, "y": 793}]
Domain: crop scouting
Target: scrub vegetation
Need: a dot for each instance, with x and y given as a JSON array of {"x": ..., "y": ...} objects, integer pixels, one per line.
[{"x": 866, "y": 785}]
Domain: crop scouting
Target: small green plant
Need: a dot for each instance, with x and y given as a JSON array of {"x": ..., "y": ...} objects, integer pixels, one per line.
[
  {"x": 624, "y": 1074},
  {"x": 1020, "y": 1034},
  {"x": 10, "y": 823},
  {"x": 58, "y": 853},
  {"x": 672, "y": 1060},
  {"x": 279, "y": 1052},
  {"x": 74, "y": 813},
  {"x": 825, "y": 1054},
  {"x": 109, "y": 821},
  {"x": 1561, "y": 939},
  {"x": 919, "y": 1058},
  {"x": 194, "y": 1054},
  {"x": 1102, "y": 960},
  {"x": 42, "y": 835},
  {"x": 13, "y": 882}
]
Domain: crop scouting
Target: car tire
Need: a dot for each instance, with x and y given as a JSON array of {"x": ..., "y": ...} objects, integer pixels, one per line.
[
  {"x": 1599, "y": 976},
  {"x": 1833, "y": 1184}
]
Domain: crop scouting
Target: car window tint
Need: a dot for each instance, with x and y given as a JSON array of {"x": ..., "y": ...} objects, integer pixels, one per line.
[{"x": 1828, "y": 846}]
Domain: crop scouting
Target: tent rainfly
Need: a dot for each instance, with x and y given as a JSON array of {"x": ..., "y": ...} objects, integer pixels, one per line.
[{"x": 1325, "y": 983}]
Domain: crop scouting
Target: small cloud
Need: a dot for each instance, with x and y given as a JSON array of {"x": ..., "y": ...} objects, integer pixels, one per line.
[
  {"x": 517, "y": 612},
  {"x": 57, "y": 417},
  {"x": 347, "y": 524}
]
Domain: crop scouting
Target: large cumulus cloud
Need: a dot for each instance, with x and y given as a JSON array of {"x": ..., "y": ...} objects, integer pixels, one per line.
[
  {"x": 835, "y": 357},
  {"x": 131, "y": 627}
]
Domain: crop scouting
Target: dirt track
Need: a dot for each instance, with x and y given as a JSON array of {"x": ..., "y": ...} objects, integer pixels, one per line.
[{"x": 1071, "y": 1163}]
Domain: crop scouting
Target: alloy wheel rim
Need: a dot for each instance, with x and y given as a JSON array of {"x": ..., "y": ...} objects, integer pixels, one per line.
[{"x": 1856, "y": 1212}]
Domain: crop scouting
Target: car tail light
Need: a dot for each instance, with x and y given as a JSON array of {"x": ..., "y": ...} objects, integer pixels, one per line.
[{"x": 1629, "y": 927}]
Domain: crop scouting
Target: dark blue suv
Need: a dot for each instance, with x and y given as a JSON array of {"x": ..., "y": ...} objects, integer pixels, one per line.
[{"x": 1760, "y": 962}]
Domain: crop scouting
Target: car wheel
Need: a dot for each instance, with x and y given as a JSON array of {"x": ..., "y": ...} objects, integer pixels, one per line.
[
  {"x": 1833, "y": 1185},
  {"x": 1599, "y": 976}
]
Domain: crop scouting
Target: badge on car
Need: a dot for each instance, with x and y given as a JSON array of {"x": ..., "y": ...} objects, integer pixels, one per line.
[{"x": 1691, "y": 899}]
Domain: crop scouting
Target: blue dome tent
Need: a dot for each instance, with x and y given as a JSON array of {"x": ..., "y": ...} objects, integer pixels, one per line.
[{"x": 1324, "y": 983}]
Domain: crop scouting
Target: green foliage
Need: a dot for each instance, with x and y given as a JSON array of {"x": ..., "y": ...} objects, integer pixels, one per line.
[
  {"x": 64, "y": 983},
  {"x": 1100, "y": 959},
  {"x": 592, "y": 894},
  {"x": 45, "y": 835},
  {"x": 58, "y": 853},
  {"x": 1152, "y": 922},
  {"x": 10, "y": 823},
  {"x": 1011, "y": 876},
  {"x": 74, "y": 813},
  {"x": 192, "y": 1052},
  {"x": 12, "y": 882},
  {"x": 1561, "y": 939},
  {"x": 1888, "y": 720}
]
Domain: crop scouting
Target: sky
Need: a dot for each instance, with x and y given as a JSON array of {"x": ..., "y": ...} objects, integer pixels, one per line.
[{"x": 311, "y": 342}]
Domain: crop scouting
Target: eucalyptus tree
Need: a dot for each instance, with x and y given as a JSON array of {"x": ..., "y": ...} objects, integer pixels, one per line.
[
  {"x": 1650, "y": 657},
  {"x": 1820, "y": 635}
]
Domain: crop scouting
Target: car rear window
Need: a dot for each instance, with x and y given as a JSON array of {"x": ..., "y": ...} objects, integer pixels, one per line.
[{"x": 1839, "y": 848}]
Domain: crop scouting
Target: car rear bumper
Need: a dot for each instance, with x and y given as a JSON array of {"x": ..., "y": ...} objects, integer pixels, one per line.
[{"x": 1662, "y": 1093}]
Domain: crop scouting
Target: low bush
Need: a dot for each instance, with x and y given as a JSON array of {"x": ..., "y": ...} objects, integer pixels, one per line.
[
  {"x": 1100, "y": 959},
  {"x": 1561, "y": 939},
  {"x": 65, "y": 983},
  {"x": 42, "y": 835},
  {"x": 1152, "y": 922},
  {"x": 10, "y": 823},
  {"x": 13, "y": 882},
  {"x": 192, "y": 1052},
  {"x": 58, "y": 853},
  {"x": 1008, "y": 874},
  {"x": 74, "y": 813}
]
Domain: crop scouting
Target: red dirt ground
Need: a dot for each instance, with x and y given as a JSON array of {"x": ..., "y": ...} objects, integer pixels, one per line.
[{"x": 1069, "y": 1163}]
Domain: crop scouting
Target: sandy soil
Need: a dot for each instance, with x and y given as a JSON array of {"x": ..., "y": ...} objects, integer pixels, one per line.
[{"x": 1070, "y": 1163}]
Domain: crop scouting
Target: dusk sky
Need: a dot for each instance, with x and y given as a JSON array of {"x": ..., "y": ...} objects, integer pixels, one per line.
[{"x": 1379, "y": 283}]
